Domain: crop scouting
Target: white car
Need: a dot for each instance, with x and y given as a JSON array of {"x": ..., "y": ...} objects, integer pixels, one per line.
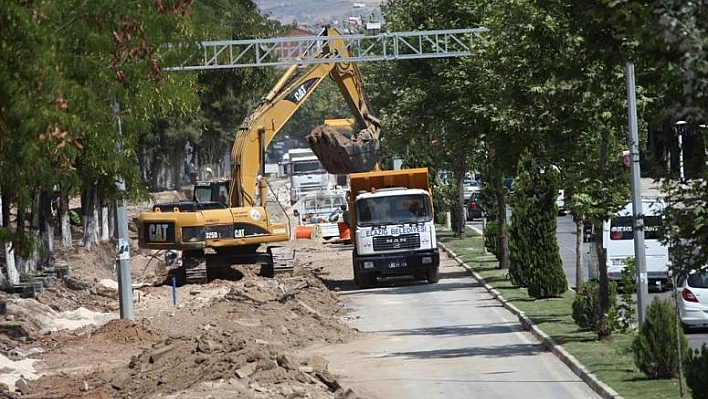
[
  {"x": 692, "y": 296},
  {"x": 470, "y": 186}
]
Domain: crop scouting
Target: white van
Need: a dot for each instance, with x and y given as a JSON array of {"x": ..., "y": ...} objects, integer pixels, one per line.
[{"x": 618, "y": 239}]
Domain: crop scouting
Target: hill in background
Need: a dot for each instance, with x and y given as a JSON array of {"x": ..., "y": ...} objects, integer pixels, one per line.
[{"x": 317, "y": 12}]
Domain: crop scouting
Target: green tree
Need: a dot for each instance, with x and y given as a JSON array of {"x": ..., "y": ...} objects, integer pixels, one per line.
[{"x": 654, "y": 348}]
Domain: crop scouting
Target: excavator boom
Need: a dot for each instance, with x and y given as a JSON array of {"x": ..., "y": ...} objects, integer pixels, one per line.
[{"x": 337, "y": 153}]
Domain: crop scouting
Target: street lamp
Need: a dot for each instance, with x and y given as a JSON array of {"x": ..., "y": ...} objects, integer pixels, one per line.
[{"x": 679, "y": 128}]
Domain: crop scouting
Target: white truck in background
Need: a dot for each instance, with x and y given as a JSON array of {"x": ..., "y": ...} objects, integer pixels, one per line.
[
  {"x": 322, "y": 210},
  {"x": 618, "y": 239},
  {"x": 306, "y": 174}
]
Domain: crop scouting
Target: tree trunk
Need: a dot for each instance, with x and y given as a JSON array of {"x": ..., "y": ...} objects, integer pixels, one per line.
[
  {"x": 604, "y": 333},
  {"x": 20, "y": 261},
  {"x": 90, "y": 217},
  {"x": 65, "y": 221},
  {"x": 579, "y": 234},
  {"x": 12, "y": 276},
  {"x": 46, "y": 224},
  {"x": 32, "y": 262},
  {"x": 105, "y": 230},
  {"x": 503, "y": 241},
  {"x": 112, "y": 220}
]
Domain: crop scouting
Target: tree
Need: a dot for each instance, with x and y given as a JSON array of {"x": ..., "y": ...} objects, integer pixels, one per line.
[
  {"x": 429, "y": 107},
  {"x": 64, "y": 64}
]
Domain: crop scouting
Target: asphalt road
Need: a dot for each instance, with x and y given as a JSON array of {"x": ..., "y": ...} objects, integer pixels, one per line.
[
  {"x": 565, "y": 233},
  {"x": 445, "y": 340}
]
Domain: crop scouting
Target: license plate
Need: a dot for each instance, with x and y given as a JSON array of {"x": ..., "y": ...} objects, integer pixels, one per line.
[{"x": 397, "y": 263}]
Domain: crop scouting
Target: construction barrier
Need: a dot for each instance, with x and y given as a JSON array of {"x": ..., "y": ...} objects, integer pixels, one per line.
[
  {"x": 344, "y": 232},
  {"x": 303, "y": 232}
]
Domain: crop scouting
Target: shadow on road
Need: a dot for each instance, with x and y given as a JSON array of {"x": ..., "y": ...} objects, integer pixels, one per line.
[{"x": 491, "y": 352}]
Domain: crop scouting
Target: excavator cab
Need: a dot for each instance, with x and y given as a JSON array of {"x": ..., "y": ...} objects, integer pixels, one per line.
[{"x": 212, "y": 191}]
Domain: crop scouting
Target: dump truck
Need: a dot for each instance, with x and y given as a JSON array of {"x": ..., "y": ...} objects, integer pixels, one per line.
[{"x": 391, "y": 219}]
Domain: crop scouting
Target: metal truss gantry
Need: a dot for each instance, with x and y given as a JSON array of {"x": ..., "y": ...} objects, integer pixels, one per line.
[{"x": 229, "y": 54}]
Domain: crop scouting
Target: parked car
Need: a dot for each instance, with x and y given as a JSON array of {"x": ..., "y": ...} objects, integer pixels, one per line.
[
  {"x": 692, "y": 295},
  {"x": 470, "y": 185},
  {"x": 473, "y": 206}
]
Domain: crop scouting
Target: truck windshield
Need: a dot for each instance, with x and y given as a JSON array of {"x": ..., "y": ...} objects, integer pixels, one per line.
[
  {"x": 306, "y": 167},
  {"x": 400, "y": 209},
  {"x": 323, "y": 204}
]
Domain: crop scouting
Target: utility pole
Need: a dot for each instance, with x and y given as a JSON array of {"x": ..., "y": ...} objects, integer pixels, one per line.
[
  {"x": 125, "y": 283},
  {"x": 637, "y": 217}
]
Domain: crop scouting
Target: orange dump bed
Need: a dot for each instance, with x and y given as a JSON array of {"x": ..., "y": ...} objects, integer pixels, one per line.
[{"x": 408, "y": 178}]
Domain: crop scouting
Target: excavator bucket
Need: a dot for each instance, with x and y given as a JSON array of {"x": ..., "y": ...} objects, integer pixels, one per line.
[{"x": 341, "y": 155}]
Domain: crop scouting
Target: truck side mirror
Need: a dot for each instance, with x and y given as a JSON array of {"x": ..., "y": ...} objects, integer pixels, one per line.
[{"x": 296, "y": 213}]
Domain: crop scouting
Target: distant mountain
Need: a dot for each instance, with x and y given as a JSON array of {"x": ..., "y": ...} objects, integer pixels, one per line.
[{"x": 318, "y": 12}]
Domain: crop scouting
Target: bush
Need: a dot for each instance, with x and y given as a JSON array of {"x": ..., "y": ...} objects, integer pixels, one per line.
[
  {"x": 622, "y": 317},
  {"x": 696, "y": 369},
  {"x": 586, "y": 305},
  {"x": 654, "y": 348}
]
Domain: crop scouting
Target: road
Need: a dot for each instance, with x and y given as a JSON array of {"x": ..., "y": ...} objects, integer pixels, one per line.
[
  {"x": 565, "y": 233},
  {"x": 445, "y": 340}
]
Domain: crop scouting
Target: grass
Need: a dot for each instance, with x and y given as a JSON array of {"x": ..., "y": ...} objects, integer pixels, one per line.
[{"x": 611, "y": 362}]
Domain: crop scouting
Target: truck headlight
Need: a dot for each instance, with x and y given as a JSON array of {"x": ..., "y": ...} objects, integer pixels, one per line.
[
  {"x": 368, "y": 264},
  {"x": 427, "y": 260}
]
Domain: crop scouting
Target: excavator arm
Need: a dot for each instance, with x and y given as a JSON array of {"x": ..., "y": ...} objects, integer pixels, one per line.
[{"x": 338, "y": 154}]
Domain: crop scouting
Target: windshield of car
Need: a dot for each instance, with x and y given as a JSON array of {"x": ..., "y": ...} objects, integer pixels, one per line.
[
  {"x": 399, "y": 209},
  {"x": 697, "y": 280}
]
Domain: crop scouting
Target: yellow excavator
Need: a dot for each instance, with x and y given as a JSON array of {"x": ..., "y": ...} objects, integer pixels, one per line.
[{"x": 227, "y": 222}]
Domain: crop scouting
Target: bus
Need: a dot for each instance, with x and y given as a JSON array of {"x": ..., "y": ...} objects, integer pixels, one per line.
[{"x": 618, "y": 240}]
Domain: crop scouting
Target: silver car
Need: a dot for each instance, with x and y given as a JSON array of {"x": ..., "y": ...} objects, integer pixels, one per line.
[{"x": 693, "y": 300}]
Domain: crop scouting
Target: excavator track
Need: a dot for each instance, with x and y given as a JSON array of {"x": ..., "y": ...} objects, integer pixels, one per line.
[
  {"x": 276, "y": 261},
  {"x": 340, "y": 155},
  {"x": 195, "y": 269},
  {"x": 283, "y": 259}
]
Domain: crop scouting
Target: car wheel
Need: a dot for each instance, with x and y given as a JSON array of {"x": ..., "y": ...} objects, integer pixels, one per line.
[{"x": 686, "y": 328}]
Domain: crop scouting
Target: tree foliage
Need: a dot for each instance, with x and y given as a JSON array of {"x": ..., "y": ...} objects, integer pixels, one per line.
[{"x": 535, "y": 260}]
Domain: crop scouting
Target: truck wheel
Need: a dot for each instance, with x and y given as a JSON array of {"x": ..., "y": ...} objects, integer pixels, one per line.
[
  {"x": 433, "y": 276},
  {"x": 364, "y": 280}
]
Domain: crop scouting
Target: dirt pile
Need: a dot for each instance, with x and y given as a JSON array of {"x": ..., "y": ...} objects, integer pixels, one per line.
[{"x": 239, "y": 335}]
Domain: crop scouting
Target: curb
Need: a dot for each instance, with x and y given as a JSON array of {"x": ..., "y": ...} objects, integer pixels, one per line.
[{"x": 569, "y": 360}]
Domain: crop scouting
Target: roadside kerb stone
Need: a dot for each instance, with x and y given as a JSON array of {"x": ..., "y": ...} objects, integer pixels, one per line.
[{"x": 549, "y": 343}]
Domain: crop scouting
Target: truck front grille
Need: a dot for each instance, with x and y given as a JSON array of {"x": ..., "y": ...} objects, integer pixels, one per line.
[{"x": 405, "y": 241}]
